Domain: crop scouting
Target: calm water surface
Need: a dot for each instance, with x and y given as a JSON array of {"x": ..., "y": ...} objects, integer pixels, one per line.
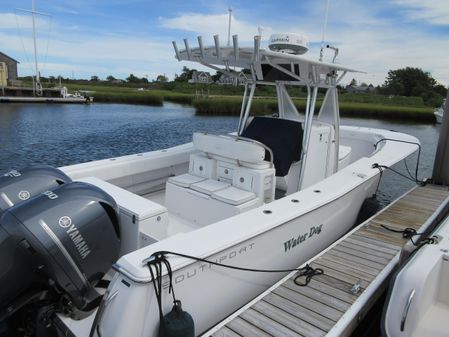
[{"x": 67, "y": 134}]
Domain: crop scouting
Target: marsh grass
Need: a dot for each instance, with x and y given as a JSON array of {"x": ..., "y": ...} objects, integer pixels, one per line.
[{"x": 353, "y": 105}]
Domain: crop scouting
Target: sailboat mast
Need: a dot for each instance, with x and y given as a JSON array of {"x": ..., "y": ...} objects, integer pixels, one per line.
[{"x": 33, "y": 11}]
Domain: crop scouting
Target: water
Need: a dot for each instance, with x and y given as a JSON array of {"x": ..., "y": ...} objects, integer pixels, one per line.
[{"x": 61, "y": 135}]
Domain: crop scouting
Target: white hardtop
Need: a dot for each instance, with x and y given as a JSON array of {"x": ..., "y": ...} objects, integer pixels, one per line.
[{"x": 296, "y": 67}]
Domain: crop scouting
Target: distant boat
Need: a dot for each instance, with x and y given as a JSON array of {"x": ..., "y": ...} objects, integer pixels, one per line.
[{"x": 439, "y": 112}]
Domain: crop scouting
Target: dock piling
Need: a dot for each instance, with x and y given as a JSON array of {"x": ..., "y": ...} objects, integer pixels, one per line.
[{"x": 440, "y": 175}]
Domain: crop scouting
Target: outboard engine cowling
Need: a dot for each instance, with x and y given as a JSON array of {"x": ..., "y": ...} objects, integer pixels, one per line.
[
  {"x": 20, "y": 185},
  {"x": 63, "y": 242}
]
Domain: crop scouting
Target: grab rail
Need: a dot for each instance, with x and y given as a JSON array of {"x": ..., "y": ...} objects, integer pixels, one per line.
[
  {"x": 406, "y": 308},
  {"x": 255, "y": 142}
]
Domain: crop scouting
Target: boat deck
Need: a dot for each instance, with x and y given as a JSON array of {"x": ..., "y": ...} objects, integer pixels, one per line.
[{"x": 366, "y": 256}]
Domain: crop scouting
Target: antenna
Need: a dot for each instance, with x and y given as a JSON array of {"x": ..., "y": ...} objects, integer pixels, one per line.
[
  {"x": 229, "y": 27},
  {"x": 33, "y": 10},
  {"x": 324, "y": 29}
]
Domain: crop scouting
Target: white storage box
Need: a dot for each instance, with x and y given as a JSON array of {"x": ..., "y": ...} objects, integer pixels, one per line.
[{"x": 141, "y": 221}]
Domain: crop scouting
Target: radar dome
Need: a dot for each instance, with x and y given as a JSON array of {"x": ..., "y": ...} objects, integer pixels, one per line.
[{"x": 289, "y": 43}]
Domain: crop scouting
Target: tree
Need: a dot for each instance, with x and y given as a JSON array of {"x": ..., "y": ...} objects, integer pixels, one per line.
[
  {"x": 94, "y": 78},
  {"x": 408, "y": 82},
  {"x": 110, "y": 78},
  {"x": 353, "y": 83},
  {"x": 216, "y": 76},
  {"x": 161, "y": 79},
  {"x": 186, "y": 75},
  {"x": 132, "y": 79},
  {"x": 413, "y": 82}
]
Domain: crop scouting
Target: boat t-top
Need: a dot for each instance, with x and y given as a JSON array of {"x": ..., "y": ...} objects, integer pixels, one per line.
[{"x": 268, "y": 196}]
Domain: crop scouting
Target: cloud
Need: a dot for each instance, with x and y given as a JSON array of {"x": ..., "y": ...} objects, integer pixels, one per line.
[
  {"x": 19, "y": 21},
  {"x": 208, "y": 25},
  {"x": 371, "y": 36},
  {"x": 93, "y": 55},
  {"x": 435, "y": 11}
]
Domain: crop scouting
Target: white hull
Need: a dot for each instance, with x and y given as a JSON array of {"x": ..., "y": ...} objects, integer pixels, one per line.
[
  {"x": 418, "y": 303},
  {"x": 440, "y": 112},
  {"x": 289, "y": 235},
  {"x": 210, "y": 294},
  {"x": 439, "y": 116}
]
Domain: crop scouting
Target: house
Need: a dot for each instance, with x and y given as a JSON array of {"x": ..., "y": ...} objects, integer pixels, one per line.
[
  {"x": 11, "y": 66},
  {"x": 226, "y": 79},
  {"x": 360, "y": 88},
  {"x": 200, "y": 77}
]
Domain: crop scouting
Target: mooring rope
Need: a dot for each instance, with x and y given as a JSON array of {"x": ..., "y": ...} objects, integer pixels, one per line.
[{"x": 306, "y": 269}]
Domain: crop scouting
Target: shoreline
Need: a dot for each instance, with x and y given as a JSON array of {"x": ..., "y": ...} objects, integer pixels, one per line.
[{"x": 230, "y": 105}]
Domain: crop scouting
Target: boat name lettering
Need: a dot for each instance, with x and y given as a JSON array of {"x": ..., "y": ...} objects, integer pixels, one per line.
[
  {"x": 293, "y": 242},
  {"x": 182, "y": 275}
]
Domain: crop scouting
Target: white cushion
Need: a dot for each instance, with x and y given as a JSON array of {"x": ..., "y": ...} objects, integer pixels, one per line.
[
  {"x": 200, "y": 165},
  {"x": 209, "y": 186},
  {"x": 233, "y": 196},
  {"x": 185, "y": 180},
  {"x": 228, "y": 147}
]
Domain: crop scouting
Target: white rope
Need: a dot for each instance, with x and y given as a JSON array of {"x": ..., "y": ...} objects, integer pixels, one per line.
[
  {"x": 48, "y": 43},
  {"x": 21, "y": 41}
]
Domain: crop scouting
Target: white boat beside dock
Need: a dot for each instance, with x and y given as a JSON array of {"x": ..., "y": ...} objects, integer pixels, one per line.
[{"x": 418, "y": 298}]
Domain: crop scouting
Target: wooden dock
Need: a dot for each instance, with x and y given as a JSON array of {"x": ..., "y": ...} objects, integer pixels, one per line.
[{"x": 356, "y": 268}]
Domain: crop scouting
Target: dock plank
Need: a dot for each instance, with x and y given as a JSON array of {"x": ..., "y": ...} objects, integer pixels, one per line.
[
  {"x": 365, "y": 252},
  {"x": 340, "y": 262},
  {"x": 319, "y": 296},
  {"x": 309, "y": 303},
  {"x": 361, "y": 258},
  {"x": 336, "y": 273},
  {"x": 225, "y": 332},
  {"x": 335, "y": 283},
  {"x": 268, "y": 325},
  {"x": 350, "y": 272},
  {"x": 375, "y": 241},
  {"x": 360, "y": 242},
  {"x": 278, "y": 315},
  {"x": 296, "y": 310},
  {"x": 332, "y": 289},
  {"x": 243, "y": 328}
]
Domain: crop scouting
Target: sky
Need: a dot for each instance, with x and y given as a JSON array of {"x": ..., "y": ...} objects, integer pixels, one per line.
[{"x": 84, "y": 38}]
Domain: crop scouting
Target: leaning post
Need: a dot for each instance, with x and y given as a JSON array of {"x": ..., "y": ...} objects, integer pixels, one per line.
[{"x": 440, "y": 175}]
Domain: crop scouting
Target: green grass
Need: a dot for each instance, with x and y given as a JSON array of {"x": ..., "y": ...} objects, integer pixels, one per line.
[
  {"x": 354, "y": 105},
  {"x": 231, "y": 106}
]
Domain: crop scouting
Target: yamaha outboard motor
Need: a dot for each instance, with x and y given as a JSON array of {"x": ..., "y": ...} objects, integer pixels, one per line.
[
  {"x": 20, "y": 185},
  {"x": 56, "y": 247}
]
